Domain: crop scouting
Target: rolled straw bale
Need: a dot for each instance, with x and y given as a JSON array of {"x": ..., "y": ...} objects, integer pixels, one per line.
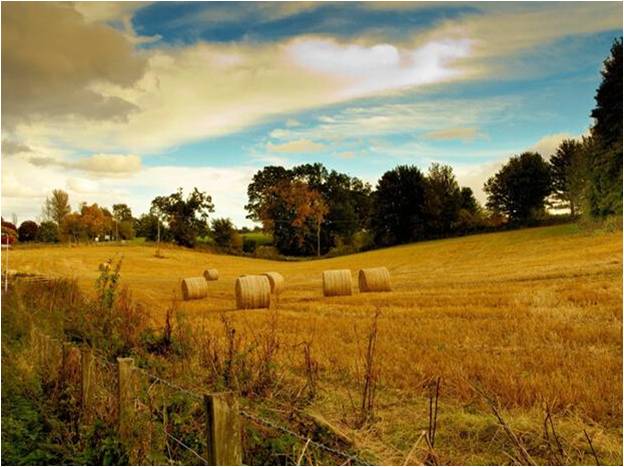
[
  {"x": 211, "y": 274},
  {"x": 276, "y": 280},
  {"x": 374, "y": 280},
  {"x": 337, "y": 282},
  {"x": 252, "y": 292},
  {"x": 194, "y": 287}
]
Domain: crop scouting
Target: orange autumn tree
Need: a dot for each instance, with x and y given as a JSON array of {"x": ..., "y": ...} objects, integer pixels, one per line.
[{"x": 295, "y": 207}]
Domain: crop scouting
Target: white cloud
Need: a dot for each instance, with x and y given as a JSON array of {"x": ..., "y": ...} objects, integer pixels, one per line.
[
  {"x": 380, "y": 67},
  {"x": 296, "y": 146},
  {"x": 83, "y": 186},
  {"x": 547, "y": 145},
  {"x": 24, "y": 189},
  {"x": 214, "y": 89}
]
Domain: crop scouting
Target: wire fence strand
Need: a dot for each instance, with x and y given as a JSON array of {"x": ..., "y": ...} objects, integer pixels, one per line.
[
  {"x": 270, "y": 423},
  {"x": 188, "y": 448}
]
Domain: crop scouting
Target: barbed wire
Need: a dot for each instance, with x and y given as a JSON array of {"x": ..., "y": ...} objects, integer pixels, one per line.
[
  {"x": 169, "y": 384},
  {"x": 253, "y": 417},
  {"x": 188, "y": 448},
  {"x": 270, "y": 423}
]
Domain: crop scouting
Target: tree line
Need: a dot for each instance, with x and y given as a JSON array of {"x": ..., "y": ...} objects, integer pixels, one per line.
[{"x": 310, "y": 210}]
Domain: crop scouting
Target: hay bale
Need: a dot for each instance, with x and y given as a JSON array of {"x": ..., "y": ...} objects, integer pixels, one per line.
[
  {"x": 252, "y": 292},
  {"x": 374, "y": 280},
  {"x": 211, "y": 274},
  {"x": 194, "y": 288},
  {"x": 337, "y": 282},
  {"x": 276, "y": 281}
]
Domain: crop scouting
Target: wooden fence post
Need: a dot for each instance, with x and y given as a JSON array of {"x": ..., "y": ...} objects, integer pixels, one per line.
[
  {"x": 87, "y": 367},
  {"x": 125, "y": 396},
  {"x": 223, "y": 429},
  {"x": 70, "y": 364}
]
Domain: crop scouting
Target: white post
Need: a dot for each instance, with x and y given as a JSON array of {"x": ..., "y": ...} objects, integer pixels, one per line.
[{"x": 6, "y": 272}]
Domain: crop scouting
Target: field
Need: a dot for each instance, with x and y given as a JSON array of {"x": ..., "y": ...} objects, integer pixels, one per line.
[{"x": 528, "y": 318}]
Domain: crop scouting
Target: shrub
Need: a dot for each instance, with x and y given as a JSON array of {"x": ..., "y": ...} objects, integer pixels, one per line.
[
  {"x": 267, "y": 252},
  {"x": 249, "y": 245}
]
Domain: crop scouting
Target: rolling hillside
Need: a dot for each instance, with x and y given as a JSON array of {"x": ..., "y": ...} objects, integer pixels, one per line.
[{"x": 529, "y": 316}]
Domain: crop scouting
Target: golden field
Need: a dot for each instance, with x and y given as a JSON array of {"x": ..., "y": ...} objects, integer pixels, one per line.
[{"x": 530, "y": 317}]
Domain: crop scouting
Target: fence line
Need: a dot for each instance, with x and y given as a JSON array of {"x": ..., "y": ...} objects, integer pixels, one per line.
[{"x": 221, "y": 409}]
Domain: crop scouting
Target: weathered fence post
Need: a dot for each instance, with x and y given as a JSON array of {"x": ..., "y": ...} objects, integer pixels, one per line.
[
  {"x": 87, "y": 367},
  {"x": 223, "y": 430},
  {"x": 125, "y": 396},
  {"x": 70, "y": 364}
]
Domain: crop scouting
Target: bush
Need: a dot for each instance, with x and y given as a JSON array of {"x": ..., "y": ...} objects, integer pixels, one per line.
[
  {"x": 249, "y": 245},
  {"x": 267, "y": 252}
]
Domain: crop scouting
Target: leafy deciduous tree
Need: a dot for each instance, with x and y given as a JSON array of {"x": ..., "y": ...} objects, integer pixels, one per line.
[
  {"x": 27, "y": 231},
  {"x": 186, "y": 218},
  {"x": 520, "y": 188},
  {"x": 56, "y": 206},
  {"x": 399, "y": 206}
]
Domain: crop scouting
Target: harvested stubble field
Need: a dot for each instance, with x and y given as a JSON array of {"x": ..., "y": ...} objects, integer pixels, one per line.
[{"x": 530, "y": 317}]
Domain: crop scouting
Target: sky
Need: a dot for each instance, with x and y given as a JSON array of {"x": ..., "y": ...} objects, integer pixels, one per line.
[{"x": 120, "y": 102}]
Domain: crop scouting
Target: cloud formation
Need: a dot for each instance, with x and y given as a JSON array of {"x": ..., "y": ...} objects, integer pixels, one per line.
[
  {"x": 51, "y": 58},
  {"x": 296, "y": 146},
  {"x": 458, "y": 133},
  {"x": 10, "y": 147},
  {"x": 110, "y": 164}
]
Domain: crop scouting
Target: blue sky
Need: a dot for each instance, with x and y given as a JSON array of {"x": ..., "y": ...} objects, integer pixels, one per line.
[{"x": 205, "y": 94}]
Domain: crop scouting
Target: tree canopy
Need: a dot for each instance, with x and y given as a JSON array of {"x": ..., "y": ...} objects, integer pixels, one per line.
[
  {"x": 520, "y": 188},
  {"x": 186, "y": 218}
]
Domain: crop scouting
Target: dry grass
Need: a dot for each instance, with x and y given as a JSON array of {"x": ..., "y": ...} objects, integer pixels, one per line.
[{"x": 530, "y": 317}]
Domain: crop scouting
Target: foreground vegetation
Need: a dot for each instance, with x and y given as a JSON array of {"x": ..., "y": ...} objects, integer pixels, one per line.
[{"x": 524, "y": 324}]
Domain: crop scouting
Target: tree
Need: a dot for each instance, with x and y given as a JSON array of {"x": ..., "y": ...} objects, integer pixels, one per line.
[
  {"x": 224, "y": 234},
  {"x": 468, "y": 201},
  {"x": 443, "y": 200},
  {"x": 146, "y": 226},
  {"x": 568, "y": 174},
  {"x": 294, "y": 216},
  {"x": 348, "y": 200},
  {"x": 520, "y": 188},
  {"x": 123, "y": 221},
  {"x": 95, "y": 221},
  {"x": 48, "y": 232},
  {"x": 399, "y": 206},
  {"x": 608, "y": 110},
  {"x": 72, "y": 227},
  {"x": 604, "y": 149},
  {"x": 56, "y": 206},
  {"x": 185, "y": 218},
  {"x": 27, "y": 231}
]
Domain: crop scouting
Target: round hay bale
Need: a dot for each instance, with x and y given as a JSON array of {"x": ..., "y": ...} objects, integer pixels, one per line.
[
  {"x": 276, "y": 280},
  {"x": 374, "y": 280},
  {"x": 337, "y": 282},
  {"x": 194, "y": 288},
  {"x": 252, "y": 292},
  {"x": 211, "y": 274}
]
